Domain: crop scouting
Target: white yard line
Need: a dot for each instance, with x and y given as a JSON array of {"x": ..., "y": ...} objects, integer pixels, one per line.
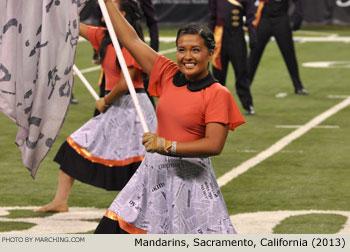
[
  {"x": 322, "y": 39},
  {"x": 281, "y": 95},
  {"x": 316, "y": 39},
  {"x": 90, "y": 69},
  {"x": 279, "y": 145},
  {"x": 298, "y": 126},
  {"x": 283, "y": 151},
  {"x": 168, "y": 51},
  {"x": 327, "y": 64},
  {"x": 325, "y": 34},
  {"x": 338, "y": 96}
]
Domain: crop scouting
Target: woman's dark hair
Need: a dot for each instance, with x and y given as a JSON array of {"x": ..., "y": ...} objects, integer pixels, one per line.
[
  {"x": 201, "y": 30},
  {"x": 133, "y": 15}
]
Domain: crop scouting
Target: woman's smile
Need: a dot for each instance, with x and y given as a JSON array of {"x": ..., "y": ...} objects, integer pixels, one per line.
[
  {"x": 193, "y": 57},
  {"x": 189, "y": 65}
]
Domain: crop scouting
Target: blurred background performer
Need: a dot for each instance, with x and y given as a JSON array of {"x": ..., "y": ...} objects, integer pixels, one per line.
[
  {"x": 226, "y": 20},
  {"x": 272, "y": 19},
  {"x": 150, "y": 15},
  {"x": 107, "y": 150},
  {"x": 92, "y": 15}
]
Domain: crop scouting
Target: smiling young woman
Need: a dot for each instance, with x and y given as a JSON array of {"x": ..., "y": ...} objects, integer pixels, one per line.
[
  {"x": 193, "y": 57},
  {"x": 175, "y": 190}
]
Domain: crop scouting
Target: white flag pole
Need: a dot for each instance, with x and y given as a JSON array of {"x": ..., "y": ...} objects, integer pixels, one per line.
[
  {"x": 85, "y": 82},
  {"x": 123, "y": 64}
]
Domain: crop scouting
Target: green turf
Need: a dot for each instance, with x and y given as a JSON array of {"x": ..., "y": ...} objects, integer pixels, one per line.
[
  {"x": 14, "y": 226},
  {"x": 310, "y": 173},
  {"x": 310, "y": 224}
]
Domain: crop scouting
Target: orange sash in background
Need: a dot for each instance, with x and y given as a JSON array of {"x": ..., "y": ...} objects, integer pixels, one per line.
[{"x": 218, "y": 32}]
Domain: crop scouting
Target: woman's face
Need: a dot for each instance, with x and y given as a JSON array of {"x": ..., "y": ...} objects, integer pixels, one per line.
[{"x": 193, "y": 56}]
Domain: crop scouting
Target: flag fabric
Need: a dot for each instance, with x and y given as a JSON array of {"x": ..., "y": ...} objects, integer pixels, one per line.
[{"x": 38, "y": 39}]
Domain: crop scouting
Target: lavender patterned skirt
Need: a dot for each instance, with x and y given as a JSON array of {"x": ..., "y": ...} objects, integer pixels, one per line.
[
  {"x": 107, "y": 150},
  {"x": 174, "y": 195},
  {"x": 117, "y": 133}
]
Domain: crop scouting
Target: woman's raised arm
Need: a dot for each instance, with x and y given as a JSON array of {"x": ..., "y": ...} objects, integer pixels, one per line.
[
  {"x": 143, "y": 54},
  {"x": 83, "y": 30}
]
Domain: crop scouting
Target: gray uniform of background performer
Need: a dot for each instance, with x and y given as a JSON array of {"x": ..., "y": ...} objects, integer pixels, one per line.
[
  {"x": 226, "y": 20},
  {"x": 272, "y": 19}
]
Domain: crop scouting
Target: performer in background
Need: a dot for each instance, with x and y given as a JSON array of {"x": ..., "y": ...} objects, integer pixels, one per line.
[
  {"x": 150, "y": 15},
  {"x": 226, "y": 20},
  {"x": 272, "y": 20},
  {"x": 107, "y": 150},
  {"x": 175, "y": 190}
]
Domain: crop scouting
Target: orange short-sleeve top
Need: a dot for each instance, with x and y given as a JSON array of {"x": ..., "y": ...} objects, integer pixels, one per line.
[
  {"x": 183, "y": 114},
  {"x": 109, "y": 64}
]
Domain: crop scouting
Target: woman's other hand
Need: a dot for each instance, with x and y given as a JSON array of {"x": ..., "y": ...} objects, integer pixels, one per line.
[
  {"x": 101, "y": 105},
  {"x": 155, "y": 143}
]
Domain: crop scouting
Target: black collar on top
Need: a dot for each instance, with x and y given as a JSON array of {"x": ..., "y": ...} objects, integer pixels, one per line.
[{"x": 180, "y": 80}]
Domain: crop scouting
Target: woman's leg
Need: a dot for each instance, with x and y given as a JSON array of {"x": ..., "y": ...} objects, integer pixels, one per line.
[{"x": 60, "y": 202}]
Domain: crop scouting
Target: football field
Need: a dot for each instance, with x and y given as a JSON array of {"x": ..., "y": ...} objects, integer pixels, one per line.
[{"x": 287, "y": 170}]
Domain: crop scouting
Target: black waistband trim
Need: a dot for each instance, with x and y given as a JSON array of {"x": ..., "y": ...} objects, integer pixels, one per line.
[{"x": 137, "y": 90}]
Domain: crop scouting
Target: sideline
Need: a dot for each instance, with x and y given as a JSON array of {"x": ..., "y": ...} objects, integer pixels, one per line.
[{"x": 279, "y": 145}]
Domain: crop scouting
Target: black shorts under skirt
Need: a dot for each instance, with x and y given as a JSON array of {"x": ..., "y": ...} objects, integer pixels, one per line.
[
  {"x": 110, "y": 178},
  {"x": 108, "y": 226}
]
